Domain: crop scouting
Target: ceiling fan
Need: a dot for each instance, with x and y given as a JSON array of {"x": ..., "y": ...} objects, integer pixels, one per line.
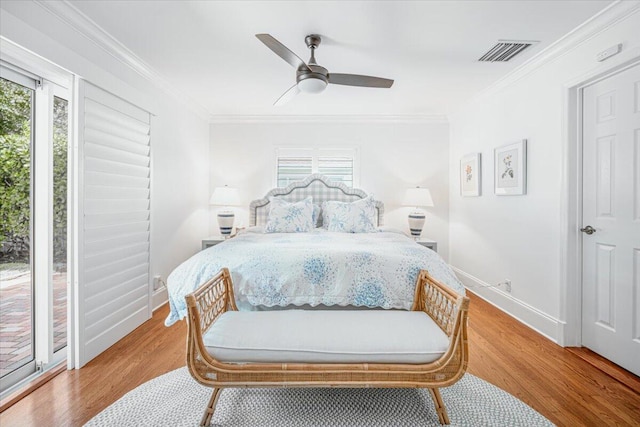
[{"x": 311, "y": 77}]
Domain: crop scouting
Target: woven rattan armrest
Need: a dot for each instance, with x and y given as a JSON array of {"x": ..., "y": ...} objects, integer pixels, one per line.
[
  {"x": 441, "y": 303},
  {"x": 204, "y": 306}
]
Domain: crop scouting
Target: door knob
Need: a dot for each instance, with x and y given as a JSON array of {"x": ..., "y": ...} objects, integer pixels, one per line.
[{"x": 588, "y": 229}]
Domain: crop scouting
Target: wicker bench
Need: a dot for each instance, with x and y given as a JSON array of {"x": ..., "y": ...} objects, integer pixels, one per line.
[{"x": 209, "y": 303}]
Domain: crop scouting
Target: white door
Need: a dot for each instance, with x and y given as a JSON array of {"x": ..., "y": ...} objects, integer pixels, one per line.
[{"x": 611, "y": 206}]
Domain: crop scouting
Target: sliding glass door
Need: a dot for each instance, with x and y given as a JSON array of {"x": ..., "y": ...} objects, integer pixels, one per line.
[
  {"x": 33, "y": 225},
  {"x": 17, "y": 352},
  {"x": 60, "y": 167}
]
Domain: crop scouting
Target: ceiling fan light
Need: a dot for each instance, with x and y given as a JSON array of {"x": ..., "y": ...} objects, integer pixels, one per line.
[{"x": 312, "y": 85}]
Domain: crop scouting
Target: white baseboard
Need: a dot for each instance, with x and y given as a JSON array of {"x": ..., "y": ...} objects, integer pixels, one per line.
[
  {"x": 537, "y": 320},
  {"x": 159, "y": 298}
]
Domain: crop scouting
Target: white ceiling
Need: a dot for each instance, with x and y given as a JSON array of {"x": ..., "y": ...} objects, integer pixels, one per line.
[{"x": 207, "y": 50}]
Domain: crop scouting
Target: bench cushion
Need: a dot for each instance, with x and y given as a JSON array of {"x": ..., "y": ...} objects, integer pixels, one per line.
[{"x": 319, "y": 336}]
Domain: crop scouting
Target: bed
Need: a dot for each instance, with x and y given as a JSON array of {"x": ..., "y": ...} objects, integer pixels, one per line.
[{"x": 316, "y": 268}]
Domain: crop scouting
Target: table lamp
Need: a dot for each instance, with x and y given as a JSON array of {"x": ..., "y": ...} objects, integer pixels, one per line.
[
  {"x": 226, "y": 197},
  {"x": 417, "y": 197}
]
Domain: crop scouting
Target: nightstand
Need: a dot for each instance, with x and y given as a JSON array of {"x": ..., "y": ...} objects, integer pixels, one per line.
[
  {"x": 428, "y": 243},
  {"x": 212, "y": 241}
]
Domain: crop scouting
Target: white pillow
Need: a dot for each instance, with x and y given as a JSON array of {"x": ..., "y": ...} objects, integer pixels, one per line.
[
  {"x": 285, "y": 217},
  {"x": 354, "y": 217}
]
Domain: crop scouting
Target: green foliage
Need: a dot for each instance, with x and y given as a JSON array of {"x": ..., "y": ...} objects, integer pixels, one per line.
[
  {"x": 15, "y": 174},
  {"x": 15, "y": 107},
  {"x": 15, "y": 165},
  {"x": 15, "y": 168},
  {"x": 60, "y": 136}
]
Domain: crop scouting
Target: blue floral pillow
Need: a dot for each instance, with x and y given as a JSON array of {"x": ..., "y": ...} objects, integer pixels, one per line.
[
  {"x": 354, "y": 217},
  {"x": 286, "y": 217}
]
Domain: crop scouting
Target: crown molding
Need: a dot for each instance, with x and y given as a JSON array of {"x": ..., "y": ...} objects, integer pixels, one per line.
[
  {"x": 76, "y": 19},
  {"x": 609, "y": 16},
  {"x": 232, "y": 119}
]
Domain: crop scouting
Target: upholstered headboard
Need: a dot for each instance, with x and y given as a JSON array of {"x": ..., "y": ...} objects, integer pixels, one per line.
[{"x": 317, "y": 186}]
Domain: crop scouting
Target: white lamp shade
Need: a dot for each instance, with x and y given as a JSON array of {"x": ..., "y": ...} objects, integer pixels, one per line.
[
  {"x": 225, "y": 196},
  {"x": 417, "y": 197},
  {"x": 312, "y": 85}
]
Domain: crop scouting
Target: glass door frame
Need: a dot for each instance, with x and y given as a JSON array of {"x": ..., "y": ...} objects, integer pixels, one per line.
[
  {"x": 41, "y": 224},
  {"x": 30, "y": 83}
]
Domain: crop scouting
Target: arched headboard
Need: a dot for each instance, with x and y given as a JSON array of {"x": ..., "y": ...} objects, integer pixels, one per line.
[{"x": 317, "y": 186}]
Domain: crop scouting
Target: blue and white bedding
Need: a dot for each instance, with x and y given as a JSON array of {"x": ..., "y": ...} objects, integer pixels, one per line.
[{"x": 318, "y": 267}]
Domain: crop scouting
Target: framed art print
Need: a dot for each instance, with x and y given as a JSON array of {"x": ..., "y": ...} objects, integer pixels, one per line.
[
  {"x": 470, "y": 175},
  {"x": 510, "y": 165}
]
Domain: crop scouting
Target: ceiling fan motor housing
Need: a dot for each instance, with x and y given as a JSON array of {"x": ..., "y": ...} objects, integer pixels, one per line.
[
  {"x": 314, "y": 81},
  {"x": 313, "y": 41}
]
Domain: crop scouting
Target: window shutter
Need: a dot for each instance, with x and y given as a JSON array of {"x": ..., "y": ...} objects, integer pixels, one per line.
[
  {"x": 112, "y": 250},
  {"x": 292, "y": 169},
  {"x": 338, "y": 169}
]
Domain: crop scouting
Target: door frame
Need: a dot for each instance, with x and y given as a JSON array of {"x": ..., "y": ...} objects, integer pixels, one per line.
[
  {"x": 58, "y": 82},
  {"x": 570, "y": 280}
]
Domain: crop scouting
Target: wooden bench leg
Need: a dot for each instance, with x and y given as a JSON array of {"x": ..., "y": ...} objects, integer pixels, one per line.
[
  {"x": 211, "y": 407},
  {"x": 443, "y": 417}
]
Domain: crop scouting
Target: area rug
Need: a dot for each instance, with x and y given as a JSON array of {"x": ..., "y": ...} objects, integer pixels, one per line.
[{"x": 175, "y": 399}]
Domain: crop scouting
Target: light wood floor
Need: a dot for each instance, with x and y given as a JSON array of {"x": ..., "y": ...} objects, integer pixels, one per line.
[{"x": 554, "y": 381}]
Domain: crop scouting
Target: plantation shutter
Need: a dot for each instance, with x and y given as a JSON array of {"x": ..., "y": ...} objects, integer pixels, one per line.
[
  {"x": 292, "y": 169},
  {"x": 112, "y": 250},
  {"x": 295, "y": 164},
  {"x": 337, "y": 168}
]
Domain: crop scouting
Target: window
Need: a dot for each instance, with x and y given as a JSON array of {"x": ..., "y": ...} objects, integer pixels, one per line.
[
  {"x": 60, "y": 168},
  {"x": 337, "y": 168},
  {"x": 33, "y": 228},
  {"x": 293, "y": 168},
  {"x": 295, "y": 164},
  {"x": 16, "y": 270}
]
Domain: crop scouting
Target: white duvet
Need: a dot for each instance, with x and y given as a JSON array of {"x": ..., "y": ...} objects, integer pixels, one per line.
[{"x": 320, "y": 267}]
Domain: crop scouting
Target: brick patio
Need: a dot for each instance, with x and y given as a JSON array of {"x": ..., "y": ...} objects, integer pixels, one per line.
[{"x": 15, "y": 320}]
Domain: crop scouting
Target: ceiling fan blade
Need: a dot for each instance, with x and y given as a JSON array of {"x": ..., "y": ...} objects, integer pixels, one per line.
[
  {"x": 282, "y": 51},
  {"x": 287, "y": 96},
  {"x": 357, "y": 80}
]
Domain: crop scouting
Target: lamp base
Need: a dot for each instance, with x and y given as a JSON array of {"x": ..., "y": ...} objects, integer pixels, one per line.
[
  {"x": 225, "y": 222},
  {"x": 416, "y": 222}
]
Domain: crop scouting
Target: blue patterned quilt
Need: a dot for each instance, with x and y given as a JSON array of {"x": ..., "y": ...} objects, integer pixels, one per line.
[{"x": 319, "y": 267}]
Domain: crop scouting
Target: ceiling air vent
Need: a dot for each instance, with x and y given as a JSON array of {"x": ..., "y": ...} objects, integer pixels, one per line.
[{"x": 505, "y": 50}]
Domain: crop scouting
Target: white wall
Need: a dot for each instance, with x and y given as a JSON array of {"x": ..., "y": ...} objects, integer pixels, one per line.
[
  {"x": 393, "y": 157},
  {"x": 519, "y": 237},
  {"x": 179, "y": 137}
]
